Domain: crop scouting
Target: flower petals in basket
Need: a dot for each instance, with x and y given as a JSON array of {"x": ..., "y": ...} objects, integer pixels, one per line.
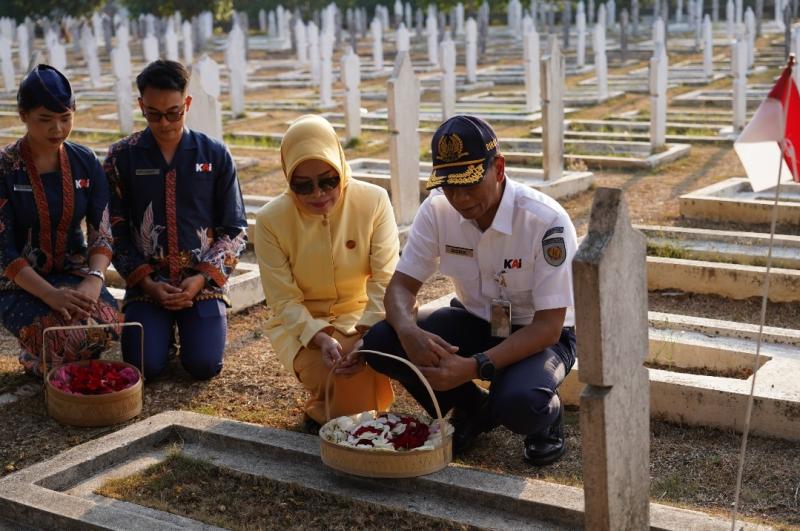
[
  {"x": 98, "y": 377},
  {"x": 386, "y": 432}
]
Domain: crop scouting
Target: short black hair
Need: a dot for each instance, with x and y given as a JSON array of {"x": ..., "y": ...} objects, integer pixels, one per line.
[{"x": 164, "y": 75}]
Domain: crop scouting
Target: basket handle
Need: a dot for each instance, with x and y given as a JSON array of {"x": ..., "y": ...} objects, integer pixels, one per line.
[
  {"x": 385, "y": 355},
  {"x": 88, "y": 327}
]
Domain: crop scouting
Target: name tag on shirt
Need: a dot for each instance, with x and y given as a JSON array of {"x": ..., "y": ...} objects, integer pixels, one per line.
[
  {"x": 148, "y": 171},
  {"x": 23, "y": 188},
  {"x": 203, "y": 167},
  {"x": 460, "y": 251}
]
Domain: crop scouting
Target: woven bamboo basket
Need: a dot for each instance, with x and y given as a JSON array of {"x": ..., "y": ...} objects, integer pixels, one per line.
[
  {"x": 93, "y": 410},
  {"x": 381, "y": 463}
]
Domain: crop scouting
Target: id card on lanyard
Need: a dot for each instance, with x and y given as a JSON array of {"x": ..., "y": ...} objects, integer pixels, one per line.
[{"x": 500, "y": 309}]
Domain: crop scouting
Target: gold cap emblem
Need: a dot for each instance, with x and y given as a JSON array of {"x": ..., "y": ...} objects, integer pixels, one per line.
[{"x": 450, "y": 148}]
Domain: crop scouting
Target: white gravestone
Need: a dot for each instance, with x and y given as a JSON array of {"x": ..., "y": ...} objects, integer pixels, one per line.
[
  {"x": 57, "y": 54},
  {"x": 89, "y": 49},
  {"x": 658, "y": 33},
  {"x": 448, "y": 84},
  {"x": 739, "y": 11},
  {"x": 679, "y": 12},
  {"x": 635, "y": 17},
  {"x": 171, "y": 43},
  {"x": 580, "y": 45},
  {"x": 237, "y": 69},
  {"x": 7, "y": 64},
  {"x": 150, "y": 48},
  {"x": 205, "y": 114},
  {"x": 610, "y": 275},
  {"x": 262, "y": 21},
  {"x": 351, "y": 78},
  {"x": 121, "y": 66},
  {"x": 471, "y": 57},
  {"x": 600, "y": 61},
  {"x": 708, "y": 48},
  {"x": 459, "y": 19},
  {"x": 658, "y": 98},
  {"x": 750, "y": 36},
  {"x": 402, "y": 39},
  {"x": 729, "y": 19},
  {"x": 301, "y": 42},
  {"x": 23, "y": 47},
  {"x": 376, "y": 30},
  {"x": 312, "y": 33},
  {"x": 611, "y": 13},
  {"x": 796, "y": 46},
  {"x": 403, "y": 99},
  {"x": 739, "y": 67},
  {"x": 188, "y": 45},
  {"x": 272, "y": 24},
  {"x": 326, "y": 74},
  {"x": 531, "y": 58},
  {"x": 432, "y": 29},
  {"x": 552, "y": 79}
]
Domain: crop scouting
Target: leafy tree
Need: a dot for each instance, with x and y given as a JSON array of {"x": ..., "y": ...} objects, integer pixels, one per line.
[
  {"x": 221, "y": 9},
  {"x": 19, "y": 9}
]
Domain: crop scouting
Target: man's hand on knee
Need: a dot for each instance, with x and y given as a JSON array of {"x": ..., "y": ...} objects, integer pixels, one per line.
[{"x": 424, "y": 348}]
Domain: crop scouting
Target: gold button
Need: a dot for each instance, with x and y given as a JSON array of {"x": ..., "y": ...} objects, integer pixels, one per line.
[
  {"x": 324, "y": 221},
  {"x": 351, "y": 244}
]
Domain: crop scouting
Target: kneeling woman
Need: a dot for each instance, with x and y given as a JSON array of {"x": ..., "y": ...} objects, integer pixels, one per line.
[
  {"x": 327, "y": 248},
  {"x": 53, "y": 276}
]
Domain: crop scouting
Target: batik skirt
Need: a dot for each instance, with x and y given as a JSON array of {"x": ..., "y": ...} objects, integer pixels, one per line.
[{"x": 27, "y": 317}]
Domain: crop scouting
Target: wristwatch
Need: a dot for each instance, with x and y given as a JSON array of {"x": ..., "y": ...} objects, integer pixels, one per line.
[
  {"x": 485, "y": 366},
  {"x": 97, "y": 273}
]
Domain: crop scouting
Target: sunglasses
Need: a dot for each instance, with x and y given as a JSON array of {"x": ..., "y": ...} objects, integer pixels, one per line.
[
  {"x": 172, "y": 116},
  {"x": 325, "y": 184}
]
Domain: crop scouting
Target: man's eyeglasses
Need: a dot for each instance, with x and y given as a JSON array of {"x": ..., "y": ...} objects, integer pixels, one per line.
[
  {"x": 306, "y": 187},
  {"x": 172, "y": 116}
]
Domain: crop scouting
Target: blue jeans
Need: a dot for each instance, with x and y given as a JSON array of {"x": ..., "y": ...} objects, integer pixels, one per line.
[
  {"x": 202, "y": 329},
  {"x": 522, "y": 396}
]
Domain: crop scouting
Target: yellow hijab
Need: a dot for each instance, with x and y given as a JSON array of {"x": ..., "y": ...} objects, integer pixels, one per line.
[{"x": 313, "y": 137}]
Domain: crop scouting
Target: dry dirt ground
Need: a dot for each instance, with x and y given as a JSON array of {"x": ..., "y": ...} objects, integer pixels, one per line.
[{"x": 692, "y": 467}]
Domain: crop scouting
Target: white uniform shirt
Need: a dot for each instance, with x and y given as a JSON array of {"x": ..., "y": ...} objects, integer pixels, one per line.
[{"x": 531, "y": 243}]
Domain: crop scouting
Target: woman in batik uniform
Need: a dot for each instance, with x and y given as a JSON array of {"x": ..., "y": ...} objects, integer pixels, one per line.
[{"x": 52, "y": 275}]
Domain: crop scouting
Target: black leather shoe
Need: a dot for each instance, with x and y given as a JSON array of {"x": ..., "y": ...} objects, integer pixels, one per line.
[
  {"x": 468, "y": 424},
  {"x": 310, "y": 425},
  {"x": 543, "y": 450}
]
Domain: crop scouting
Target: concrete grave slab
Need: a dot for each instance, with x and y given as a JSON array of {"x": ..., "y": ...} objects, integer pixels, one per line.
[
  {"x": 58, "y": 493},
  {"x": 573, "y": 97},
  {"x": 639, "y": 131},
  {"x": 596, "y": 153},
  {"x": 721, "y": 97},
  {"x": 733, "y": 200}
]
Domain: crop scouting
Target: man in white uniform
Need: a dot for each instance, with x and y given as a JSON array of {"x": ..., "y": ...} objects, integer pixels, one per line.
[{"x": 508, "y": 250}]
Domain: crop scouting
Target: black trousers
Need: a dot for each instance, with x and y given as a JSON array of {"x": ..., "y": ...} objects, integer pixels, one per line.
[{"x": 522, "y": 396}]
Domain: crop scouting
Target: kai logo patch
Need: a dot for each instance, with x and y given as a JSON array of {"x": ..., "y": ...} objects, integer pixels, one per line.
[
  {"x": 81, "y": 183},
  {"x": 553, "y": 247},
  {"x": 512, "y": 263},
  {"x": 203, "y": 167}
]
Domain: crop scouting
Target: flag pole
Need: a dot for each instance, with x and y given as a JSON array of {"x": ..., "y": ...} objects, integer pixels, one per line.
[{"x": 749, "y": 412}]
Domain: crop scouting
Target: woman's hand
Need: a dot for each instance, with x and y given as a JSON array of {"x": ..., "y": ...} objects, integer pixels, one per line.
[
  {"x": 70, "y": 303},
  {"x": 353, "y": 362},
  {"x": 91, "y": 287},
  {"x": 331, "y": 349}
]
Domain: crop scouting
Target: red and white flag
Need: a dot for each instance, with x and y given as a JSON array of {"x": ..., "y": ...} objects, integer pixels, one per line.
[{"x": 775, "y": 125}]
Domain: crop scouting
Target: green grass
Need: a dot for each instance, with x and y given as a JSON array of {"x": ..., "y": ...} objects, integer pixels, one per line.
[{"x": 666, "y": 250}]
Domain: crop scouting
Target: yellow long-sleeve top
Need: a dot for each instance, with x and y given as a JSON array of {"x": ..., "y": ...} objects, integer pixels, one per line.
[{"x": 324, "y": 272}]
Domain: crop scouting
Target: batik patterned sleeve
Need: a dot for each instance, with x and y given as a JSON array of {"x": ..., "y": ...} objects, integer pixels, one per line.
[
  {"x": 128, "y": 260},
  {"x": 10, "y": 259},
  {"x": 98, "y": 219},
  {"x": 219, "y": 253}
]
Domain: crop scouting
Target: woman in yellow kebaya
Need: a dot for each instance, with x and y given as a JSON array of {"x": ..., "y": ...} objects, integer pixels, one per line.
[{"x": 326, "y": 248}]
